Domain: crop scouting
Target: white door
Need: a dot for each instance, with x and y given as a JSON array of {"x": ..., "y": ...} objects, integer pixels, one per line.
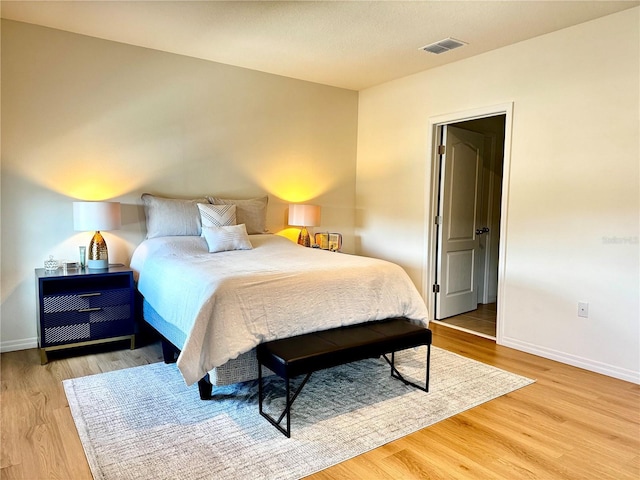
[{"x": 458, "y": 241}]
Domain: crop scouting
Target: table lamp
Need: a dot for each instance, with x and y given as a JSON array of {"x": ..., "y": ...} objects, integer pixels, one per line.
[
  {"x": 96, "y": 216},
  {"x": 304, "y": 216}
]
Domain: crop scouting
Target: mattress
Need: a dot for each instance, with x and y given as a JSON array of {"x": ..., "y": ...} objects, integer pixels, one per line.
[{"x": 219, "y": 306}]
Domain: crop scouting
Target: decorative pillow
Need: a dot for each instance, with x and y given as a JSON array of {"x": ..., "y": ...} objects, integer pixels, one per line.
[
  {"x": 224, "y": 239},
  {"x": 171, "y": 216},
  {"x": 252, "y": 212},
  {"x": 217, "y": 215}
]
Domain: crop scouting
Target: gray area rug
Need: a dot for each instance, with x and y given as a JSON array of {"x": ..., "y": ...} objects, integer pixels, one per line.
[{"x": 144, "y": 423}]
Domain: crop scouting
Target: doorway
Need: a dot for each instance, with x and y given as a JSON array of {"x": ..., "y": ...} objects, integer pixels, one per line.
[{"x": 468, "y": 198}]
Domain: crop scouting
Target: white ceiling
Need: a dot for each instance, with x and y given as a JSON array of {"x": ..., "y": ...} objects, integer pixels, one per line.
[{"x": 352, "y": 44}]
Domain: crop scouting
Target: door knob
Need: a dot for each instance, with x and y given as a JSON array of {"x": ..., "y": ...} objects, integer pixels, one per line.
[{"x": 480, "y": 231}]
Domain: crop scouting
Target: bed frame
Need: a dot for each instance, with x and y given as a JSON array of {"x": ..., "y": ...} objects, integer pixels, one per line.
[
  {"x": 170, "y": 355},
  {"x": 248, "y": 367},
  {"x": 241, "y": 369}
]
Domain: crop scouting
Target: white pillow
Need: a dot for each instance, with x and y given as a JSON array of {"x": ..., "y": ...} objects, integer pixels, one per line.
[
  {"x": 171, "y": 216},
  {"x": 217, "y": 215},
  {"x": 252, "y": 212},
  {"x": 224, "y": 239}
]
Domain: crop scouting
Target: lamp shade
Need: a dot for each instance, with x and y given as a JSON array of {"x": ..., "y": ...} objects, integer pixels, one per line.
[
  {"x": 304, "y": 215},
  {"x": 96, "y": 216}
]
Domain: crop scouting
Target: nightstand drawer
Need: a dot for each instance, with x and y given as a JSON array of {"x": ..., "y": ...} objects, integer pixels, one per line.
[
  {"x": 86, "y": 301},
  {"x": 87, "y": 315},
  {"x": 71, "y": 333}
]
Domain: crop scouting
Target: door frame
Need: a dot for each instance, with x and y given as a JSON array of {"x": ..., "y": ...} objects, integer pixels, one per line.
[{"x": 434, "y": 124}]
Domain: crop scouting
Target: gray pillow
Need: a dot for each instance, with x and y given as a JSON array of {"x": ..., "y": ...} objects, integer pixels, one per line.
[
  {"x": 227, "y": 238},
  {"x": 217, "y": 215},
  {"x": 172, "y": 216},
  {"x": 252, "y": 212}
]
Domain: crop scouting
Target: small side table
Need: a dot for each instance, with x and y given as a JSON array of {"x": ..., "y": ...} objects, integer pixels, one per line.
[{"x": 84, "y": 307}]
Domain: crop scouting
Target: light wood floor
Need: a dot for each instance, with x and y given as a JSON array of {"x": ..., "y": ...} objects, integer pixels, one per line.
[
  {"x": 481, "y": 320},
  {"x": 570, "y": 424}
]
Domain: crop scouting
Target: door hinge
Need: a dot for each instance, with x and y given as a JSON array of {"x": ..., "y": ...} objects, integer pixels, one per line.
[
  {"x": 438, "y": 220},
  {"x": 441, "y": 149},
  {"x": 436, "y": 288}
]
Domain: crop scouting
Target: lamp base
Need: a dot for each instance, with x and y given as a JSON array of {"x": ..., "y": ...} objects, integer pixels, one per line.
[
  {"x": 98, "y": 264},
  {"x": 98, "y": 253},
  {"x": 303, "y": 238}
]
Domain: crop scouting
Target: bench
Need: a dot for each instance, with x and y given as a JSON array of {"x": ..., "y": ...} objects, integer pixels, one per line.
[{"x": 305, "y": 354}]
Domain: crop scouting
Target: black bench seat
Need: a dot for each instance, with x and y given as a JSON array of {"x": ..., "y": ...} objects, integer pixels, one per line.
[{"x": 305, "y": 354}]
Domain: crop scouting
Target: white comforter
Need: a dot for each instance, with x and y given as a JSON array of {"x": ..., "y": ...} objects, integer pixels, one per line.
[{"x": 229, "y": 302}]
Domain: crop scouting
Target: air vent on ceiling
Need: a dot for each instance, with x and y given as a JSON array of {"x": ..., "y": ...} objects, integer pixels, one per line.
[{"x": 443, "y": 45}]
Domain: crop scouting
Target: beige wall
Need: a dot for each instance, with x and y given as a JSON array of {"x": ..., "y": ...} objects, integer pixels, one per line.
[
  {"x": 573, "y": 190},
  {"x": 91, "y": 119},
  {"x": 80, "y": 115}
]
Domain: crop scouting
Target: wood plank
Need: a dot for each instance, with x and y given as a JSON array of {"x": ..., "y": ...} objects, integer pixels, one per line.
[{"x": 570, "y": 424}]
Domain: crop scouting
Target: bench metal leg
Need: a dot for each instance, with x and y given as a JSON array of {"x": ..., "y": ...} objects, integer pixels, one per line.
[
  {"x": 290, "y": 399},
  {"x": 396, "y": 374}
]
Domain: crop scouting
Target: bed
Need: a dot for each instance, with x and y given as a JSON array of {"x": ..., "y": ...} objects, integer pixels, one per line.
[{"x": 216, "y": 306}]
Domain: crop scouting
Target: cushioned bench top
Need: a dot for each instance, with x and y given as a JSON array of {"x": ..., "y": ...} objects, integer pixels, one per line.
[{"x": 289, "y": 357}]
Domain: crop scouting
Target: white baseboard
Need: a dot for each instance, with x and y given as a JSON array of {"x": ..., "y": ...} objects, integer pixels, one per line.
[
  {"x": 574, "y": 360},
  {"x": 23, "y": 344}
]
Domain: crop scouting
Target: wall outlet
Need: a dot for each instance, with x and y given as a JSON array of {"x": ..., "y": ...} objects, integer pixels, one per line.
[{"x": 583, "y": 309}]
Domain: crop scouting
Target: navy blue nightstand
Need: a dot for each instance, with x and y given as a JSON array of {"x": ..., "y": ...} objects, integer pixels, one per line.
[{"x": 84, "y": 307}]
